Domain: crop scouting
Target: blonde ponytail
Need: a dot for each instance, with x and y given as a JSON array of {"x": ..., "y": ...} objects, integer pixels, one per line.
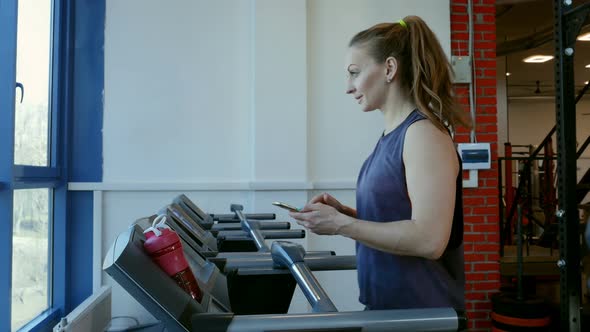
[{"x": 424, "y": 68}]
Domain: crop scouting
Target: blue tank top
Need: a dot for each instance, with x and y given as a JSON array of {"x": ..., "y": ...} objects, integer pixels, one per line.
[{"x": 388, "y": 281}]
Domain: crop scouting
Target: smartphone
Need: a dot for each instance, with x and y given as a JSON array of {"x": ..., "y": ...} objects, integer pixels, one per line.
[{"x": 286, "y": 206}]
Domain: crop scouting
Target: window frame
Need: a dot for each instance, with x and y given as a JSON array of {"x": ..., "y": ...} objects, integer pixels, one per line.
[
  {"x": 54, "y": 176},
  {"x": 75, "y": 154},
  {"x": 8, "y": 19}
]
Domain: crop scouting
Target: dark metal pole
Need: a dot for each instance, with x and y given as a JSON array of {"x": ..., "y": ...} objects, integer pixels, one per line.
[
  {"x": 501, "y": 206},
  {"x": 567, "y": 25},
  {"x": 519, "y": 290}
]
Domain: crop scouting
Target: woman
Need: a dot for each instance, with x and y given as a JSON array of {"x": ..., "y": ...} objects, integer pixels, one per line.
[{"x": 408, "y": 221}]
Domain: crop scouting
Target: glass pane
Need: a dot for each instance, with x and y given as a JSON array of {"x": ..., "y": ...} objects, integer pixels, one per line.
[
  {"x": 32, "y": 71},
  {"x": 30, "y": 255}
]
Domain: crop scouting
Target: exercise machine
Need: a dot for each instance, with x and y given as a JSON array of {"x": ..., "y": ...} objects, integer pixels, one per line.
[
  {"x": 215, "y": 222},
  {"x": 133, "y": 269}
]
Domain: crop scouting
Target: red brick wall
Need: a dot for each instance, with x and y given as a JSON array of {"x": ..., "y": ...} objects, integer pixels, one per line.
[{"x": 480, "y": 204}]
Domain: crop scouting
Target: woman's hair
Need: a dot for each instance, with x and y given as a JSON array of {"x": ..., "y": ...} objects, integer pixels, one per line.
[{"x": 423, "y": 67}]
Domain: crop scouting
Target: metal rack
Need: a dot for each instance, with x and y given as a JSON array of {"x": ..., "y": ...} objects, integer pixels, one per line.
[{"x": 568, "y": 23}]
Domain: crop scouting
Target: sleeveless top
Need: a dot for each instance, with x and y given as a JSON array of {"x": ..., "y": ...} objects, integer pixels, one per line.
[{"x": 389, "y": 281}]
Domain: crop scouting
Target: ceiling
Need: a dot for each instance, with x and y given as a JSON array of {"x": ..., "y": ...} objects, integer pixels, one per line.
[{"x": 522, "y": 24}]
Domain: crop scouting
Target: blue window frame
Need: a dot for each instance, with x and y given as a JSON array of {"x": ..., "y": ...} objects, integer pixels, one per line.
[
  {"x": 75, "y": 153},
  {"x": 52, "y": 177},
  {"x": 8, "y": 10}
]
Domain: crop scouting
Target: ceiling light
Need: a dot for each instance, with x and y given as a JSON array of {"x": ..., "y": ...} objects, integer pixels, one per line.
[
  {"x": 584, "y": 37},
  {"x": 508, "y": 74},
  {"x": 586, "y": 83},
  {"x": 538, "y": 58},
  {"x": 588, "y": 66}
]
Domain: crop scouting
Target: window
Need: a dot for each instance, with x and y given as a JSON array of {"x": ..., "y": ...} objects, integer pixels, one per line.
[
  {"x": 31, "y": 159},
  {"x": 33, "y": 63},
  {"x": 46, "y": 231},
  {"x": 30, "y": 228},
  {"x": 30, "y": 255}
]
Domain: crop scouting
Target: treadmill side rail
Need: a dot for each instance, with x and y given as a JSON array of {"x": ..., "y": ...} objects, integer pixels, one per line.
[{"x": 407, "y": 320}]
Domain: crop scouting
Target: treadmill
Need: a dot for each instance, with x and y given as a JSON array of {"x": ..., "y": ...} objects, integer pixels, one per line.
[
  {"x": 272, "y": 289},
  {"x": 133, "y": 269},
  {"x": 204, "y": 242},
  {"x": 224, "y": 222},
  {"x": 249, "y": 239}
]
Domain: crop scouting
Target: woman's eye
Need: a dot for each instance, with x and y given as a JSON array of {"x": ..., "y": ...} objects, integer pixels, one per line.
[{"x": 353, "y": 74}]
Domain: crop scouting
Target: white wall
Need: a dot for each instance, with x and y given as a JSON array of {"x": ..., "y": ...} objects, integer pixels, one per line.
[
  {"x": 167, "y": 97},
  {"x": 230, "y": 91},
  {"x": 236, "y": 101},
  {"x": 341, "y": 136}
]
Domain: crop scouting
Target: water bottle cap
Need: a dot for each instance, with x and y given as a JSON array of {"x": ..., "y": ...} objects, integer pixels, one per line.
[{"x": 159, "y": 222}]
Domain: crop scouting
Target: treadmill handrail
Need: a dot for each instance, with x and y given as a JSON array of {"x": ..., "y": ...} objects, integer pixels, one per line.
[
  {"x": 315, "y": 263},
  {"x": 253, "y": 230},
  {"x": 292, "y": 256},
  {"x": 430, "y": 319},
  {"x": 267, "y": 234},
  {"x": 264, "y": 225},
  {"x": 311, "y": 288},
  {"x": 227, "y": 217}
]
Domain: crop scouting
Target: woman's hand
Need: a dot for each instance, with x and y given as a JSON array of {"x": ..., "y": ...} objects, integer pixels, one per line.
[
  {"x": 327, "y": 199},
  {"x": 321, "y": 218}
]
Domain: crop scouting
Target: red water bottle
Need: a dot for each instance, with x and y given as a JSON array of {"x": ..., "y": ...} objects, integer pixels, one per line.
[{"x": 165, "y": 249}]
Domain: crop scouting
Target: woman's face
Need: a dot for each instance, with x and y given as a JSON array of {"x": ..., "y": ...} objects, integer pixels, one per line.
[{"x": 366, "y": 79}]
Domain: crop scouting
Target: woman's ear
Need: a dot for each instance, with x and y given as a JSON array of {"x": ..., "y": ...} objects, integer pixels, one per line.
[{"x": 390, "y": 68}]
